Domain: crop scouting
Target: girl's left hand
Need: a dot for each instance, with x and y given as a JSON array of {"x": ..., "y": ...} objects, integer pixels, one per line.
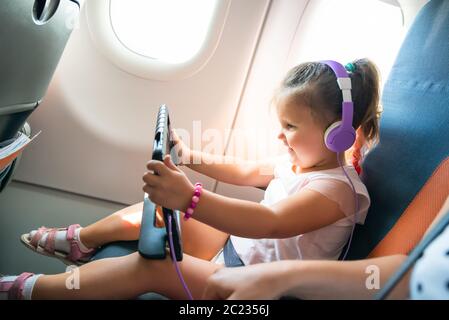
[
  {"x": 170, "y": 188},
  {"x": 263, "y": 281}
]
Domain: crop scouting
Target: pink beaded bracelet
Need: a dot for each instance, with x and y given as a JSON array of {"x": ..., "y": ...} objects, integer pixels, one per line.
[{"x": 195, "y": 199}]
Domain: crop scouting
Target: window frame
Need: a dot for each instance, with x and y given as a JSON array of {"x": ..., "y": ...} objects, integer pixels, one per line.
[{"x": 104, "y": 37}]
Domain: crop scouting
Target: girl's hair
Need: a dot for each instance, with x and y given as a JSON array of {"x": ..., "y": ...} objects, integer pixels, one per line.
[{"x": 315, "y": 84}]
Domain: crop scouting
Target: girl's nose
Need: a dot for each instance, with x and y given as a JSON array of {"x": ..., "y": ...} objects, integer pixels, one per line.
[{"x": 281, "y": 135}]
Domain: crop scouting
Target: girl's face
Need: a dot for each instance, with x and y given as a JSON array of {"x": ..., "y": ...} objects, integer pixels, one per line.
[{"x": 302, "y": 135}]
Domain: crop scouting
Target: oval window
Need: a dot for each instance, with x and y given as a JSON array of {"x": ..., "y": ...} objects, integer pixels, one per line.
[
  {"x": 167, "y": 30},
  {"x": 157, "y": 39}
]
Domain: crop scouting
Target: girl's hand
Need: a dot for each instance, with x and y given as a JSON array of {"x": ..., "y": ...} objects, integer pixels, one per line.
[
  {"x": 170, "y": 188},
  {"x": 255, "y": 282},
  {"x": 181, "y": 149}
]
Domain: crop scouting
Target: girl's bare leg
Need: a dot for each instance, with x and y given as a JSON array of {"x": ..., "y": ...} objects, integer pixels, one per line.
[
  {"x": 199, "y": 239},
  {"x": 126, "y": 278},
  {"x": 121, "y": 225}
]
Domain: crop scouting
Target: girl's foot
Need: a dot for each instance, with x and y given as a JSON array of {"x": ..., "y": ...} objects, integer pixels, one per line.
[
  {"x": 17, "y": 287},
  {"x": 61, "y": 243}
]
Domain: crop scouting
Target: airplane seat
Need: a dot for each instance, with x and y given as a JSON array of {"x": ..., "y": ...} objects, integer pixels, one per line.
[
  {"x": 407, "y": 173},
  {"x": 33, "y": 36}
]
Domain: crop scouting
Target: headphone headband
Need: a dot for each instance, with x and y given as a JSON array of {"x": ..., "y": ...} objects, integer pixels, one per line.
[
  {"x": 344, "y": 82},
  {"x": 341, "y": 135}
]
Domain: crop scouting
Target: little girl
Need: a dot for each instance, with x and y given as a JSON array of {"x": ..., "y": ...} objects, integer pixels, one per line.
[{"x": 308, "y": 210}]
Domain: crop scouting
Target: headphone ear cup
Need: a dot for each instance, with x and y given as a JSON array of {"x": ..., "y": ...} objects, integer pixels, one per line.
[{"x": 338, "y": 139}]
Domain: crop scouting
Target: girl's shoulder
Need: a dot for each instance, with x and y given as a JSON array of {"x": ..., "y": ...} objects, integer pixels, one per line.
[
  {"x": 334, "y": 184},
  {"x": 336, "y": 173},
  {"x": 284, "y": 170},
  {"x": 337, "y": 176},
  {"x": 283, "y": 167}
]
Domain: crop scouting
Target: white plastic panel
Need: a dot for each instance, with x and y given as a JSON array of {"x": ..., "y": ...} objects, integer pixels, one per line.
[
  {"x": 98, "y": 122},
  {"x": 256, "y": 126}
]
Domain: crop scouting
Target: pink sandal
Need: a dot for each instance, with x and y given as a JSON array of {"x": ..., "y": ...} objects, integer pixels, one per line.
[
  {"x": 76, "y": 256},
  {"x": 15, "y": 288}
]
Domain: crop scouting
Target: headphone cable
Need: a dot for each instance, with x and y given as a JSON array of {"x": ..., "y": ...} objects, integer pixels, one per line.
[
  {"x": 173, "y": 257},
  {"x": 356, "y": 204}
]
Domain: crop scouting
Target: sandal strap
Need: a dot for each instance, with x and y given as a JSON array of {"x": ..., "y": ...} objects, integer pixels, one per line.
[
  {"x": 38, "y": 236},
  {"x": 6, "y": 285},
  {"x": 71, "y": 231},
  {"x": 50, "y": 241},
  {"x": 75, "y": 251},
  {"x": 16, "y": 289}
]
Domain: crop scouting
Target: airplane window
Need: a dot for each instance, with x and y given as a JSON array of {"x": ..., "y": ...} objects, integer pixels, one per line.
[
  {"x": 349, "y": 29},
  {"x": 167, "y": 30},
  {"x": 157, "y": 39}
]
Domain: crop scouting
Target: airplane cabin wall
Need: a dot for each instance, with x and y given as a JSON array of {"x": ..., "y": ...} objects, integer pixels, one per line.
[{"x": 97, "y": 121}]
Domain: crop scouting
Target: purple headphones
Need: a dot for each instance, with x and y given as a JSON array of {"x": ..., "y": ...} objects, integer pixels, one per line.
[{"x": 340, "y": 135}]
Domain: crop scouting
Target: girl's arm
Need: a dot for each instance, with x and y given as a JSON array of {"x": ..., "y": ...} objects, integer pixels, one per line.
[
  {"x": 308, "y": 280},
  {"x": 232, "y": 170},
  {"x": 300, "y": 213},
  {"x": 227, "y": 169}
]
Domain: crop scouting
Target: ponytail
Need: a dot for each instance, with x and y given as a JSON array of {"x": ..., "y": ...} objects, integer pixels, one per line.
[
  {"x": 366, "y": 96},
  {"x": 357, "y": 150}
]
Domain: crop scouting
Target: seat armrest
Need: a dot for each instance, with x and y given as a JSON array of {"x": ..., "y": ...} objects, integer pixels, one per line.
[{"x": 7, "y": 174}]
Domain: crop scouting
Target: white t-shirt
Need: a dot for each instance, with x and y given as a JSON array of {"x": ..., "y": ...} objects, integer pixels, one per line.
[{"x": 325, "y": 243}]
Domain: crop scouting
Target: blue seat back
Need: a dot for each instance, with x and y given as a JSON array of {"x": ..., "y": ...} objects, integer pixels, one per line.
[{"x": 414, "y": 127}]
